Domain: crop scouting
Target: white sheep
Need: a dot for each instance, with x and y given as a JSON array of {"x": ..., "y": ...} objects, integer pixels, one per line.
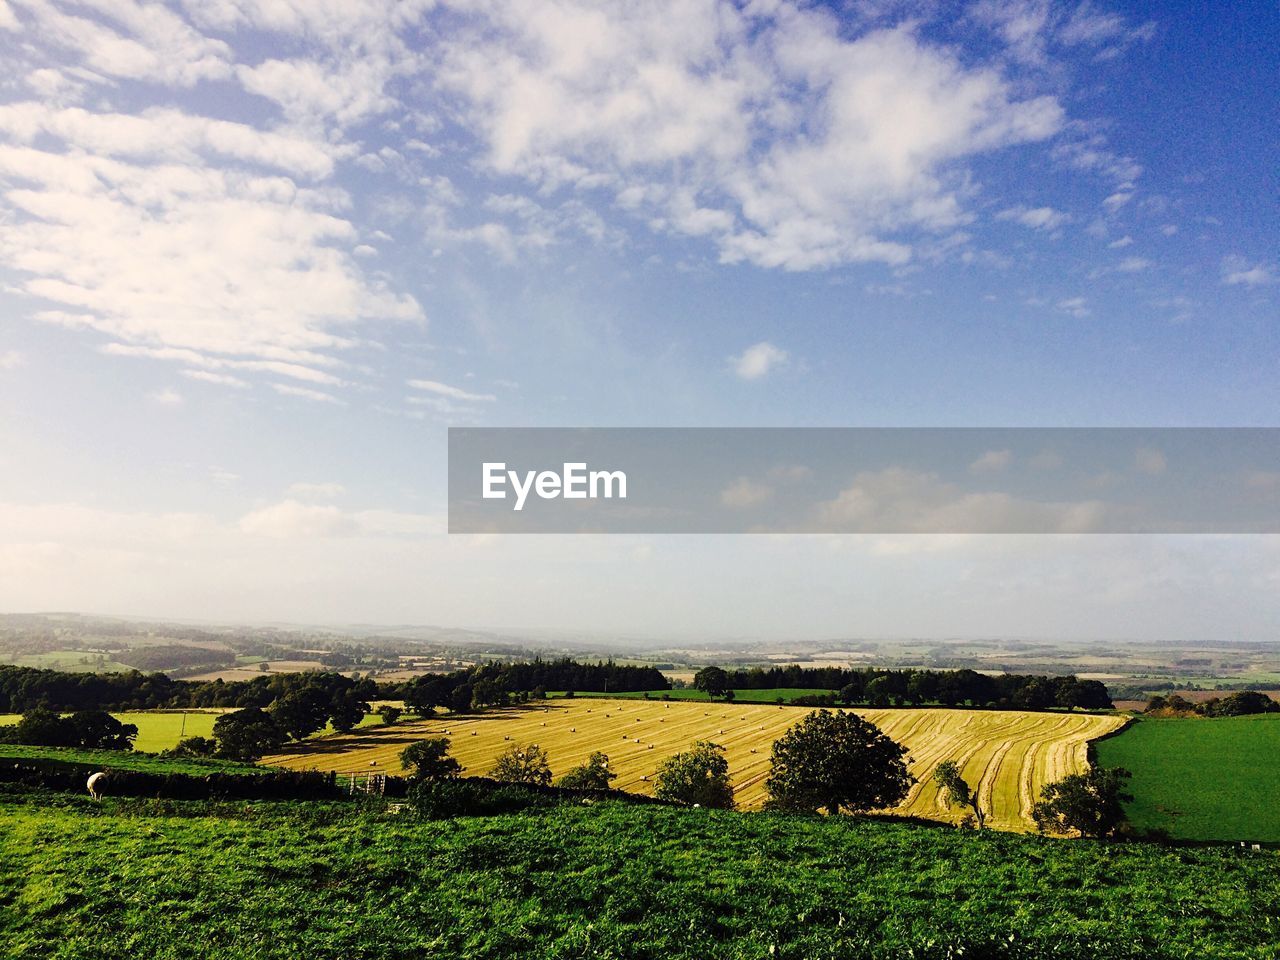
[{"x": 96, "y": 782}]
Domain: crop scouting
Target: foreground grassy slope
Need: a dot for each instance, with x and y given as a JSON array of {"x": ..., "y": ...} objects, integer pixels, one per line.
[
  {"x": 1202, "y": 779},
  {"x": 1007, "y": 755},
  {"x": 264, "y": 881}
]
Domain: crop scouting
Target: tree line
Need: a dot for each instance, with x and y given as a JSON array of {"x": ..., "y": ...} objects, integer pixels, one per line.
[{"x": 880, "y": 687}]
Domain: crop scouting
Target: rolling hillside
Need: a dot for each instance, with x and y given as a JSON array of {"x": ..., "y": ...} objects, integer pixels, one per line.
[{"x": 1008, "y": 755}]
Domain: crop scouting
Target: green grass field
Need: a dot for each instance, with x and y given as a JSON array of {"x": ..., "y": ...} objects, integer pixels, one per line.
[
  {"x": 147, "y": 880},
  {"x": 786, "y": 694},
  {"x": 157, "y": 731},
  {"x": 68, "y": 661},
  {"x": 1202, "y": 779}
]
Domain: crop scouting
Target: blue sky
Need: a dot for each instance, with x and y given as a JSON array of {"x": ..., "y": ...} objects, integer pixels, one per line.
[{"x": 255, "y": 257}]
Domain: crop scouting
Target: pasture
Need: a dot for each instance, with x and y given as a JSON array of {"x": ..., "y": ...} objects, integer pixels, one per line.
[
  {"x": 158, "y": 730},
  {"x": 143, "y": 880},
  {"x": 1007, "y": 755},
  {"x": 1202, "y": 779}
]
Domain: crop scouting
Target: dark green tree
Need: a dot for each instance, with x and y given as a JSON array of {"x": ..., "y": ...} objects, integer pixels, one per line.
[
  {"x": 698, "y": 776},
  {"x": 523, "y": 765},
  {"x": 1091, "y": 803},
  {"x": 301, "y": 712},
  {"x": 592, "y": 775},
  {"x": 247, "y": 734},
  {"x": 836, "y": 761},
  {"x": 712, "y": 681},
  {"x": 430, "y": 760},
  {"x": 389, "y": 714}
]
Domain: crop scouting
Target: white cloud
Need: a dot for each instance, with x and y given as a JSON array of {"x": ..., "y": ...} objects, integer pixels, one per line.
[
  {"x": 1134, "y": 265},
  {"x": 167, "y": 397},
  {"x": 11, "y": 359},
  {"x": 113, "y": 242},
  {"x": 1037, "y": 218},
  {"x": 1237, "y": 271},
  {"x": 993, "y": 461},
  {"x": 316, "y": 491},
  {"x": 745, "y": 492},
  {"x": 761, "y": 127},
  {"x": 758, "y": 360},
  {"x": 1076, "y": 306},
  {"x": 221, "y": 379},
  {"x": 130, "y": 40},
  {"x": 305, "y": 393},
  {"x": 290, "y": 519},
  {"x": 451, "y": 393},
  {"x": 903, "y": 500}
]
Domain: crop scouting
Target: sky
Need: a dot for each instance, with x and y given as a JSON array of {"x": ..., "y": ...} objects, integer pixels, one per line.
[{"x": 256, "y": 256}]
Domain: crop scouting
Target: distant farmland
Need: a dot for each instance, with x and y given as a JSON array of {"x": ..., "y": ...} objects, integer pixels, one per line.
[
  {"x": 1202, "y": 779},
  {"x": 158, "y": 730},
  {"x": 1008, "y": 754}
]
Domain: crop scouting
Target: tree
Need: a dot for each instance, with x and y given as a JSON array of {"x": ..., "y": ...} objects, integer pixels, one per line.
[
  {"x": 97, "y": 729},
  {"x": 430, "y": 760},
  {"x": 300, "y": 713},
  {"x": 712, "y": 681},
  {"x": 958, "y": 793},
  {"x": 195, "y": 747},
  {"x": 247, "y": 734},
  {"x": 346, "y": 710},
  {"x": 89, "y": 729},
  {"x": 523, "y": 765},
  {"x": 389, "y": 714},
  {"x": 836, "y": 761},
  {"x": 696, "y": 777},
  {"x": 1091, "y": 803},
  {"x": 592, "y": 775}
]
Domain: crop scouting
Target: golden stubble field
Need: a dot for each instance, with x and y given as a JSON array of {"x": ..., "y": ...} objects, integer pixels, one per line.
[{"x": 1008, "y": 755}]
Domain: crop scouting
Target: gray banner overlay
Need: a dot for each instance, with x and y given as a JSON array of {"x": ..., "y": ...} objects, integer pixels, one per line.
[{"x": 864, "y": 480}]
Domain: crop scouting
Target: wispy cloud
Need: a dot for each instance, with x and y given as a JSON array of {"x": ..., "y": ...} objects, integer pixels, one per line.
[
  {"x": 439, "y": 389},
  {"x": 1237, "y": 271},
  {"x": 758, "y": 360}
]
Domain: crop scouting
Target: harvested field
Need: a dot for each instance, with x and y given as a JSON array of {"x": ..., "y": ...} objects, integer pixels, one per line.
[{"x": 1008, "y": 755}]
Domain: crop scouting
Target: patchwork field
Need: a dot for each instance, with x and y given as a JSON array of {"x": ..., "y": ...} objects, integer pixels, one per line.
[
  {"x": 1202, "y": 779},
  {"x": 1009, "y": 755}
]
